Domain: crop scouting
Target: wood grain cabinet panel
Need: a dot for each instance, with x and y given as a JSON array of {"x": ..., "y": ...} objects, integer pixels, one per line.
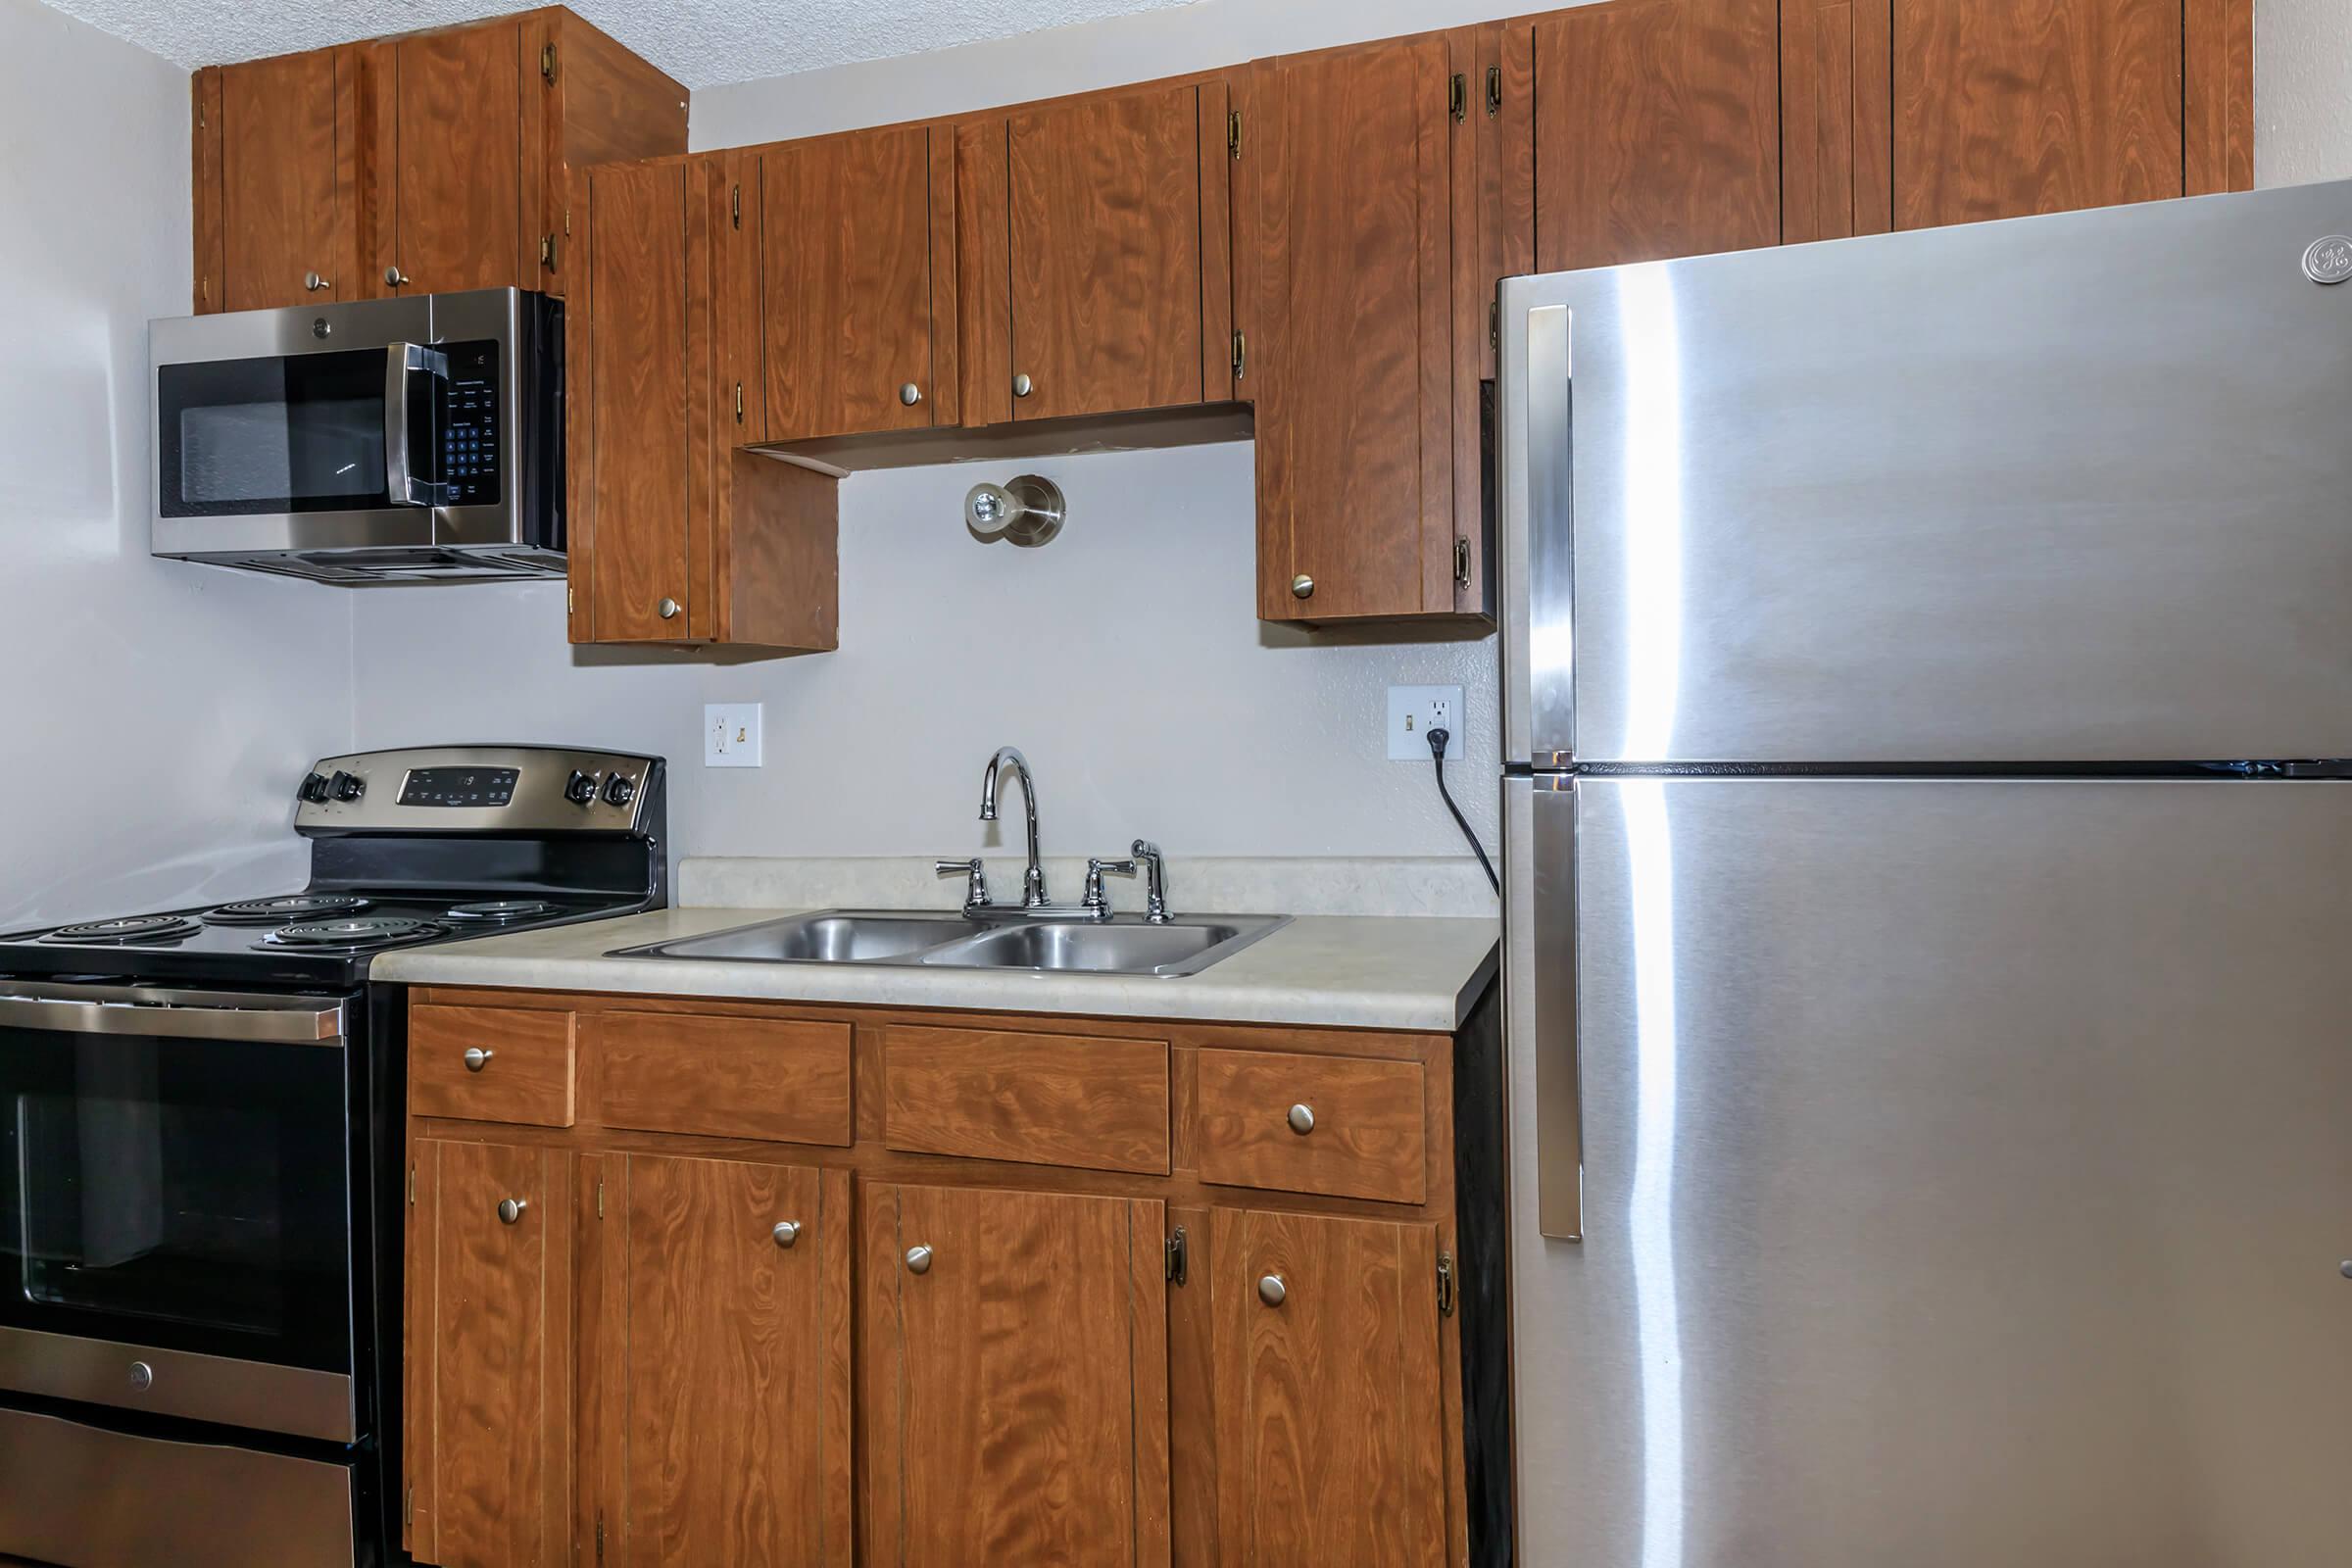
[
  {"x": 488, "y": 1426},
  {"x": 285, "y": 181},
  {"x": 722, "y": 1378},
  {"x": 1835, "y": 138},
  {"x": 2005, "y": 108},
  {"x": 1342, "y": 264},
  {"x": 1038, "y": 1098},
  {"x": 1657, "y": 129},
  {"x": 523, "y": 1071},
  {"x": 457, "y": 160},
  {"x": 725, "y": 1077},
  {"x": 1016, "y": 1379},
  {"x": 1330, "y": 1444},
  {"x": 1364, "y": 1124},
  {"x": 853, "y": 225}
]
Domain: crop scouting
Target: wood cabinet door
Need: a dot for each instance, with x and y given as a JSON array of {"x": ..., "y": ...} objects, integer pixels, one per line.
[
  {"x": 1834, "y": 135},
  {"x": 1343, "y": 257},
  {"x": 853, "y": 303},
  {"x": 1105, "y": 237},
  {"x": 488, "y": 1354},
  {"x": 630, "y": 466},
  {"x": 721, "y": 1367},
  {"x": 457, "y": 160},
  {"x": 1329, "y": 1440},
  {"x": 1657, "y": 129},
  {"x": 1016, "y": 1379},
  {"x": 2004, "y": 108},
  {"x": 286, "y": 182}
]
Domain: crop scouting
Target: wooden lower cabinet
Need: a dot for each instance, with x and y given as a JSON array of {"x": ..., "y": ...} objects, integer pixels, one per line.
[
  {"x": 660, "y": 1337},
  {"x": 1016, "y": 1379}
]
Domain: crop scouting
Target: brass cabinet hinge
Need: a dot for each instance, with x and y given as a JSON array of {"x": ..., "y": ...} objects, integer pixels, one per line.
[
  {"x": 600, "y": 1200},
  {"x": 547, "y": 252},
  {"x": 412, "y": 1187},
  {"x": 735, "y": 205},
  {"x": 409, "y": 1508},
  {"x": 1177, "y": 1260},
  {"x": 1240, "y": 355},
  {"x": 1494, "y": 92},
  {"x": 568, "y": 607},
  {"x": 1444, "y": 1285},
  {"x": 547, "y": 61},
  {"x": 739, "y": 403},
  {"x": 1494, "y": 325},
  {"x": 1461, "y": 560},
  {"x": 1233, "y": 133},
  {"x": 600, "y": 1537},
  {"x": 1457, "y": 97}
]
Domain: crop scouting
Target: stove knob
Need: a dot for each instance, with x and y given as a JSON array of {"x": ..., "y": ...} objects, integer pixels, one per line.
[
  {"x": 620, "y": 790},
  {"x": 348, "y": 786},
  {"x": 314, "y": 788},
  {"x": 580, "y": 788}
]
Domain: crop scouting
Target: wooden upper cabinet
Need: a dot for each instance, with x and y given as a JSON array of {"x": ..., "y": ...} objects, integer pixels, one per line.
[
  {"x": 1656, "y": 129},
  {"x": 717, "y": 1388},
  {"x": 1097, "y": 250},
  {"x": 859, "y": 282},
  {"x": 1016, "y": 1379},
  {"x": 283, "y": 168},
  {"x": 1330, "y": 1441},
  {"x": 1344, "y": 271},
  {"x": 1835, "y": 179},
  {"x": 488, "y": 1356},
  {"x": 458, "y": 169}
]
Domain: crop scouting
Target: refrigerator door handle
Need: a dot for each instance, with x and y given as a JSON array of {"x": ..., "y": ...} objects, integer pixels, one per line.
[
  {"x": 1539, "y": 987},
  {"x": 1539, "y": 694}
]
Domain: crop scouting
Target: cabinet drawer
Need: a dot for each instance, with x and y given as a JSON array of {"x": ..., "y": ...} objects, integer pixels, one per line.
[
  {"x": 673, "y": 1072},
  {"x": 1366, "y": 1137},
  {"x": 1043, "y": 1100},
  {"x": 523, "y": 1073}
]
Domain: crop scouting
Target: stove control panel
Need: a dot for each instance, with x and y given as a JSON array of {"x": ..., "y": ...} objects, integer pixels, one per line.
[{"x": 478, "y": 789}]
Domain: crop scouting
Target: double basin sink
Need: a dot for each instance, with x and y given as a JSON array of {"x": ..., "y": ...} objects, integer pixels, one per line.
[{"x": 1125, "y": 945}]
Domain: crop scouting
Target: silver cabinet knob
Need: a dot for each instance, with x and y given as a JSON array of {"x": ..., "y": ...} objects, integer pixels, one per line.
[
  {"x": 911, "y": 394},
  {"x": 667, "y": 609},
  {"x": 1271, "y": 1289},
  {"x": 1022, "y": 386},
  {"x": 787, "y": 1232},
  {"x": 476, "y": 1058},
  {"x": 918, "y": 1260},
  {"x": 395, "y": 277},
  {"x": 2347, "y": 1268},
  {"x": 510, "y": 1209},
  {"x": 314, "y": 283},
  {"x": 1302, "y": 1119},
  {"x": 1302, "y": 586}
]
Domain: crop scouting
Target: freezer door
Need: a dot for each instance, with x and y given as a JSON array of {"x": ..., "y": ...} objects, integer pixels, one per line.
[
  {"x": 1966, "y": 1179},
  {"x": 2070, "y": 488}
]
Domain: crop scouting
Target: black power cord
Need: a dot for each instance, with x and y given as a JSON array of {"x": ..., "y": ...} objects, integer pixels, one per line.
[{"x": 1436, "y": 754}]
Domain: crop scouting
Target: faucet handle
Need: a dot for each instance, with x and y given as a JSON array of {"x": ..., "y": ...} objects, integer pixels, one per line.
[
  {"x": 1155, "y": 880},
  {"x": 1098, "y": 903},
  {"x": 975, "y": 891}
]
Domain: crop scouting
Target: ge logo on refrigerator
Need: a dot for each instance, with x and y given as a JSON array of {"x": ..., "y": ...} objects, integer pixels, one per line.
[{"x": 2329, "y": 260}]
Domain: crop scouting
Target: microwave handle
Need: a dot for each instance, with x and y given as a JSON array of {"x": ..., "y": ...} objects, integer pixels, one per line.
[{"x": 403, "y": 361}]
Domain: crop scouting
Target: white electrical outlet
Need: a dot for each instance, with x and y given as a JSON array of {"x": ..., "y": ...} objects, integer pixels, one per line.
[
  {"x": 1416, "y": 710},
  {"x": 731, "y": 735}
]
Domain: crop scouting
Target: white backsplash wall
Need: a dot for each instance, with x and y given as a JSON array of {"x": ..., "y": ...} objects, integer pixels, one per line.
[
  {"x": 1125, "y": 659},
  {"x": 154, "y": 716},
  {"x": 2302, "y": 91}
]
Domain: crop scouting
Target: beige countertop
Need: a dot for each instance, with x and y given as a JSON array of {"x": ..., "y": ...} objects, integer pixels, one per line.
[{"x": 1335, "y": 971}]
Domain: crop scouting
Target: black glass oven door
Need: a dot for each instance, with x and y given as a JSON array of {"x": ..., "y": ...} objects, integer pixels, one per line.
[{"x": 186, "y": 1193}]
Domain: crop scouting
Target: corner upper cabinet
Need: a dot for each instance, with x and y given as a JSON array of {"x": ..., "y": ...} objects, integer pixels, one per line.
[
  {"x": 274, "y": 168},
  {"x": 675, "y": 534},
  {"x": 859, "y": 282},
  {"x": 1343, "y": 221},
  {"x": 1095, "y": 254}
]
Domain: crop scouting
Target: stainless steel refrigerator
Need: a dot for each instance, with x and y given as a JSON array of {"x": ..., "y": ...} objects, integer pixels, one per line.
[{"x": 1927, "y": 666}]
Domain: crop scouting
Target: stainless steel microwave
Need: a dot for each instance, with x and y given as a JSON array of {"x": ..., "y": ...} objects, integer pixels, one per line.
[{"x": 396, "y": 440}]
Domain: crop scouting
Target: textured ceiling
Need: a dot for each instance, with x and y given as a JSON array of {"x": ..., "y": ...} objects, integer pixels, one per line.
[{"x": 702, "y": 43}]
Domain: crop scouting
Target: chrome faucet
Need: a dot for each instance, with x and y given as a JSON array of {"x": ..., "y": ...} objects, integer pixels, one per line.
[
  {"x": 1155, "y": 881},
  {"x": 1033, "y": 881}
]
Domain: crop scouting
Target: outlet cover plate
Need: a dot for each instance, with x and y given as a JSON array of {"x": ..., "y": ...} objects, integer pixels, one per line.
[
  {"x": 731, "y": 735},
  {"x": 1414, "y": 711}
]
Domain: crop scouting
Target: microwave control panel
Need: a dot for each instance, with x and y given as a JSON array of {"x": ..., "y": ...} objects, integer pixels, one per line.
[{"x": 470, "y": 453}]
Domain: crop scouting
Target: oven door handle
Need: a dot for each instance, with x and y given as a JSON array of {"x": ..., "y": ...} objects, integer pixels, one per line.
[
  {"x": 178, "y": 1015},
  {"x": 401, "y": 363}
]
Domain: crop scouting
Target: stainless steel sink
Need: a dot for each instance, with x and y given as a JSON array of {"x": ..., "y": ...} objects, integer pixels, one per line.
[{"x": 1125, "y": 945}]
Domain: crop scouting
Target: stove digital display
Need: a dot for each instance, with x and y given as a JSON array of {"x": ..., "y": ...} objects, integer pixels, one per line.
[{"x": 459, "y": 786}]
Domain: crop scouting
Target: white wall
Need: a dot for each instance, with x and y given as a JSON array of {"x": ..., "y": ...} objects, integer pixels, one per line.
[
  {"x": 147, "y": 708},
  {"x": 2302, "y": 91},
  {"x": 1125, "y": 659}
]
